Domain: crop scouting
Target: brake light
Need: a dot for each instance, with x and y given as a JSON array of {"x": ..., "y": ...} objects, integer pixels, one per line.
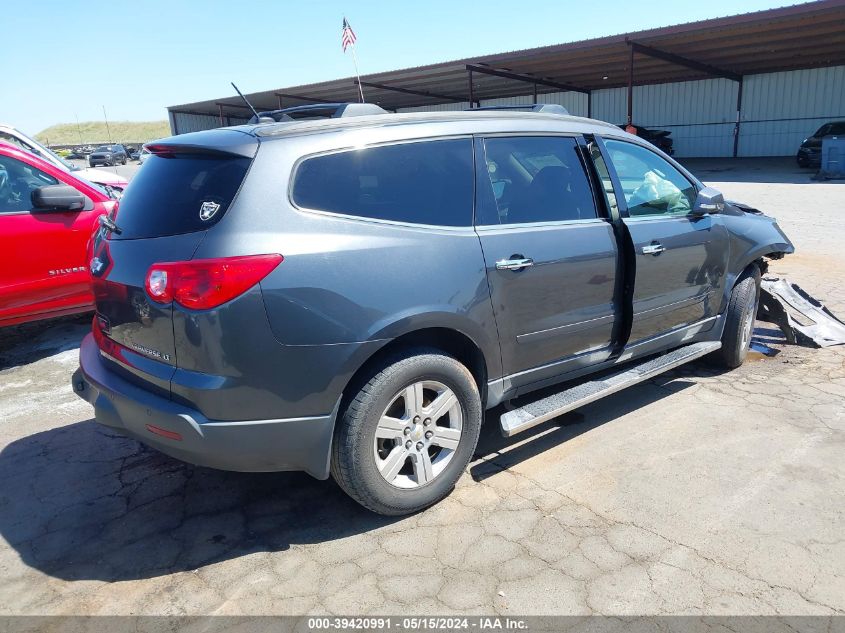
[{"x": 201, "y": 284}]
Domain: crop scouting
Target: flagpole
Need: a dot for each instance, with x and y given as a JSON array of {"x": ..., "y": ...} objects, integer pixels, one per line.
[{"x": 357, "y": 74}]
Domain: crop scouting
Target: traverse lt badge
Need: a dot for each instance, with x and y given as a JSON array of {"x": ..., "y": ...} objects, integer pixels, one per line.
[{"x": 208, "y": 210}]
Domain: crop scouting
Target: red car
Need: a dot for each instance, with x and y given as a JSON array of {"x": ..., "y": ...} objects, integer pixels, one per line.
[{"x": 47, "y": 216}]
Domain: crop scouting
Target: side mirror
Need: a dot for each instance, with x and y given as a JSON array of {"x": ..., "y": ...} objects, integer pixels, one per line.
[
  {"x": 708, "y": 201},
  {"x": 57, "y": 198}
]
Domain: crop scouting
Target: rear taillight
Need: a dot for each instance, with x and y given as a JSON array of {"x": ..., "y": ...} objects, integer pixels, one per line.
[{"x": 202, "y": 284}]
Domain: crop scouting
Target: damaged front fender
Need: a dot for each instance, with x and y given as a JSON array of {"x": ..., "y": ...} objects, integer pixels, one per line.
[{"x": 753, "y": 237}]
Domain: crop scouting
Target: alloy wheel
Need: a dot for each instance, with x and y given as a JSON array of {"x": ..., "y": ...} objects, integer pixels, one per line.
[
  {"x": 417, "y": 434},
  {"x": 748, "y": 324}
]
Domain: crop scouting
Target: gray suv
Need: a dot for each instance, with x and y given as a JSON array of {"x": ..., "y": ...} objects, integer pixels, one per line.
[{"x": 348, "y": 296}]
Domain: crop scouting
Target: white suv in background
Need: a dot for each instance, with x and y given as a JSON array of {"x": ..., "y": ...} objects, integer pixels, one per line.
[{"x": 11, "y": 135}]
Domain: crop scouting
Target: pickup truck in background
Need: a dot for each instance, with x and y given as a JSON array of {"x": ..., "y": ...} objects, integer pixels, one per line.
[
  {"x": 101, "y": 177},
  {"x": 47, "y": 217}
]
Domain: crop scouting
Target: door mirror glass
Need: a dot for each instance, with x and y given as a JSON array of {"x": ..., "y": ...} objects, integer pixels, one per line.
[
  {"x": 708, "y": 200},
  {"x": 57, "y": 198}
]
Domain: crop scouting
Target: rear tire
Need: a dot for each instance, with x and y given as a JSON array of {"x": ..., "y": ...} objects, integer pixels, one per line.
[
  {"x": 408, "y": 434},
  {"x": 739, "y": 324}
]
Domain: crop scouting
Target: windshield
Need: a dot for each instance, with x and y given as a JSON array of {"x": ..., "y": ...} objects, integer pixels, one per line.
[{"x": 103, "y": 148}]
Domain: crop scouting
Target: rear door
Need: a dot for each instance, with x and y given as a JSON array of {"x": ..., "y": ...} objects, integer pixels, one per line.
[
  {"x": 680, "y": 258},
  {"x": 163, "y": 216},
  {"x": 551, "y": 258}
]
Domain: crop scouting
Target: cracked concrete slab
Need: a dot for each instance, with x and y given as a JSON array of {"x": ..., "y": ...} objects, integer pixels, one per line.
[{"x": 698, "y": 492}]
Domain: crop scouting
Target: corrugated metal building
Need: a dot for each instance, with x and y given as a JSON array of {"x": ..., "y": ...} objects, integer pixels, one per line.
[{"x": 748, "y": 85}]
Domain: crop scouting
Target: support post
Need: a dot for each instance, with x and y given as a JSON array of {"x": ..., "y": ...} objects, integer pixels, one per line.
[
  {"x": 590, "y": 104},
  {"x": 535, "y": 93},
  {"x": 471, "y": 95},
  {"x": 220, "y": 112},
  {"x": 279, "y": 97},
  {"x": 630, "y": 85},
  {"x": 738, "y": 117}
]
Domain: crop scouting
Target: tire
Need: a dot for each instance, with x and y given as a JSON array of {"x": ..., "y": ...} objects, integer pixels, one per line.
[
  {"x": 739, "y": 324},
  {"x": 376, "y": 454}
]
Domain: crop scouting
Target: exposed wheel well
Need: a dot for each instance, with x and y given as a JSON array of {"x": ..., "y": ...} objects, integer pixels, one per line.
[
  {"x": 452, "y": 342},
  {"x": 761, "y": 264}
]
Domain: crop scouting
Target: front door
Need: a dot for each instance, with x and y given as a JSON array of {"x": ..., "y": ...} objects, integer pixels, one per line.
[
  {"x": 551, "y": 259},
  {"x": 680, "y": 258},
  {"x": 43, "y": 253}
]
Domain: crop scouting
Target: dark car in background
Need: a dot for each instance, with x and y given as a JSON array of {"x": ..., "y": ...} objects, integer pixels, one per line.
[
  {"x": 108, "y": 155},
  {"x": 810, "y": 151},
  {"x": 347, "y": 296},
  {"x": 661, "y": 139}
]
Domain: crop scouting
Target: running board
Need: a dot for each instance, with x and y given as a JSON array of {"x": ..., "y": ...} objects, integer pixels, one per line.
[{"x": 540, "y": 411}]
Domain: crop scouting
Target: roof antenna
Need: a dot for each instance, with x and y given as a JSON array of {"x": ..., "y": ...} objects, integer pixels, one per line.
[{"x": 246, "y": 101}]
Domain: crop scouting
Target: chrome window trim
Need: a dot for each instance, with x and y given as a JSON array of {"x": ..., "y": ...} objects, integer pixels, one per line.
[{"x": 486, "y": 228}]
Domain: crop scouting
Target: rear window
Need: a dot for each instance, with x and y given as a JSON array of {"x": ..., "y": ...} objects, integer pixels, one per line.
[
  {"x": 426, "y": 182},
  {"x": 179, "y": 193}
]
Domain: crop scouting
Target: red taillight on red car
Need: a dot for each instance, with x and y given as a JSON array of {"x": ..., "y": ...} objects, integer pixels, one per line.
[{"x": 202, "y": 284}]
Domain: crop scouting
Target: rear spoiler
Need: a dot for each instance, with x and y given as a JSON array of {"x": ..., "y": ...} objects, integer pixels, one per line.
[{"x": 217, "y": 142}]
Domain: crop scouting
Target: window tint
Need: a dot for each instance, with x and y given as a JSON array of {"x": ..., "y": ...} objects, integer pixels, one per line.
[
  {"x": 837, "y": 128},
  {"x": 17, "y": 182},
  {"x": 650, "y": 184},
  {"x": 535, "y": 179},
  {"x": 179, "y": 193},
  {"x": 428, "y": 182}
]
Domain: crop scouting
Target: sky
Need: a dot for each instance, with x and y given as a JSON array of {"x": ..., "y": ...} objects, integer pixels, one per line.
[{"x": 64, "y": 59}]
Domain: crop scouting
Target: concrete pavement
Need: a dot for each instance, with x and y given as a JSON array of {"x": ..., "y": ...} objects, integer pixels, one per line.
[{"x": 697, "y": 493}]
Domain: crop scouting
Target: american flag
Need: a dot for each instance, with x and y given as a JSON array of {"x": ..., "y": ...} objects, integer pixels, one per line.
[{"x": 348, "y": 36}]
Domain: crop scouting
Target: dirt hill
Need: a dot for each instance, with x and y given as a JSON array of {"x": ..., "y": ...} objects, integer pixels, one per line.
[{"x": 95, "y": 132}]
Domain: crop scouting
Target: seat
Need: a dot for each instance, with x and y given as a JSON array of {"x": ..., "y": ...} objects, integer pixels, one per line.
[{"x": 548, "y": 198}]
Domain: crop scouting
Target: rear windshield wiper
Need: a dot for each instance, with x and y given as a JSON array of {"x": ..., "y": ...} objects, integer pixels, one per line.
[{"x": 107, "y": 223}]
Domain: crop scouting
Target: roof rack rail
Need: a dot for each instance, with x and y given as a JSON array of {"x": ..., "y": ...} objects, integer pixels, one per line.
[
  {"x": 545, "y": 108},
  {"x": 318, "y": 111}
]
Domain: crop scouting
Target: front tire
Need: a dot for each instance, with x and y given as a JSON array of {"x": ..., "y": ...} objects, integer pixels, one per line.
[
  {"x": 408, "y": 434},
  {"x": 739, "y": 324}
]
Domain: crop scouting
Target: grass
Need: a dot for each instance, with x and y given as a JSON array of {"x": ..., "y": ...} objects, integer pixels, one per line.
[{"x": 94, "y": 132}]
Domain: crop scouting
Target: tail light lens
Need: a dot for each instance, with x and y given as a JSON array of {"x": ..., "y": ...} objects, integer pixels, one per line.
[{"x": 202, "y": 284}]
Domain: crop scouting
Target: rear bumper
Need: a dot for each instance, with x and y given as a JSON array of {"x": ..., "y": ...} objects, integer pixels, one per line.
[{"x": 184, "y": 433}]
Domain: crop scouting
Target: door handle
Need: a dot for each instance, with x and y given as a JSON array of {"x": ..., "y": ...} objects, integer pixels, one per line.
[
  {"x": 653, "y": 249},
  {"x": 514, "y": 264}
]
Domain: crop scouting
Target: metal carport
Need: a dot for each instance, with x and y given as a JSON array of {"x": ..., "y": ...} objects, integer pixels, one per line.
[{"x": 805, "y": 36}]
